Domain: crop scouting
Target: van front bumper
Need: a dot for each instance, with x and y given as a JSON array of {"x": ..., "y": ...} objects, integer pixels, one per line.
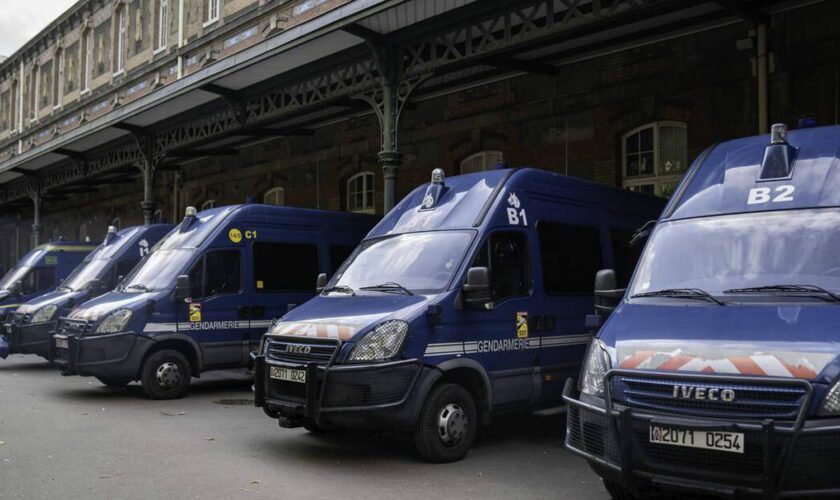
[
  {"x": 33, "y": 338},
  {"x": 117, "y": 355},
  {"x": 781, "y": 459},
  {"x": 378, "y": 396}
]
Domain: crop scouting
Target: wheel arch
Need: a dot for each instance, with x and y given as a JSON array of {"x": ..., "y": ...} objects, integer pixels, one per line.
[
  {"x": 472, "y": 376},
  {"x": 181, "y": 343}
]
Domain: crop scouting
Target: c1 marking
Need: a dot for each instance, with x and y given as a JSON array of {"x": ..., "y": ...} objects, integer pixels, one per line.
[{"x": 762, "y": 194}]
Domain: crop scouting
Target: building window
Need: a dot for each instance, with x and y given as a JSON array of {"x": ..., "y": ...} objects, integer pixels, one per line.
[
  {"x": 212, "y": 11},
  {"x": 360, "y": 193},
  {"x": 275, "y": 196},
  {"x": 162, "y": 23},
  {"x": 13, "y": 113},
  {"x": 58, "y": 75},
  {"x": 87, "y": 58},
  {"x": 654, "y": 157},
  {"x": 207, "y": 205},
  {"x": 479, "y": 162},
  {"x": 33, "y": 92},
  {"x": 121, "y": 40},
  {"x": 45, "y": 84}
]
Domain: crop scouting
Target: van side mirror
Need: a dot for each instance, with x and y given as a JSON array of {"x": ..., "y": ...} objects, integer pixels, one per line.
[
  {"x": 95, "y": 285},
  {"x": 183, "y": 287},
  {"x": 321, "y": 283},
  {"x": 642, "y": 233},
  {"x": 476, "y": 289},
  {"x": 16, "y": 288},
  {"x": 607, "y": 295}
]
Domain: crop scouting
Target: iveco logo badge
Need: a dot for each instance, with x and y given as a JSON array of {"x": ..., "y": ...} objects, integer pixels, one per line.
[
  {"x": 298, "y": 349},
  {"x": 703, "y": 393}
]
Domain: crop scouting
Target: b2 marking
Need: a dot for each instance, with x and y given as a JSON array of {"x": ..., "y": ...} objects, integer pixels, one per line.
[{"x": 763, "y": 195}]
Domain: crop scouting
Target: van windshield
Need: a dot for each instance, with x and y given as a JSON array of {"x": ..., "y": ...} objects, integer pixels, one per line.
[
  {"x": 14, "y": 274},
  {"x": 769, "y": 249},
  {"x": 85, "y": 272},
  {"x": 158, "y": 270},
  {"x": 419, "y": 262}
]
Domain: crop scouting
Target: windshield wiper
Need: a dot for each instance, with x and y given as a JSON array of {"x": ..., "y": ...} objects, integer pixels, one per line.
[
  {"x": 389, "y": 287},
  {"x": 340, "y": 289},
  {"x": 138, "y": 286},
  {"x": 682, "y": 293},
  {"x": 795, "y": 290}
]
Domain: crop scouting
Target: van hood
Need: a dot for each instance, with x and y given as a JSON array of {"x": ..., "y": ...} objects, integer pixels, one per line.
[
  {"x": 101, "y": 306},
  {"x": 56, "y": 297},
  {"x": 342, "y": 317},
  {"x": 790, "y": 341}
]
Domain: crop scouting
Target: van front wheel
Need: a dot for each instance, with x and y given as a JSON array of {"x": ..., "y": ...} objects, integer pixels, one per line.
[
  {"x": 447, "y": 425},
  {"x": 166, "y": 375}
]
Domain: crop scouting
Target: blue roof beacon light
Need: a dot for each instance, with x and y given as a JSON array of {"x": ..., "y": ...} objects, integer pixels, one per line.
[
  {"x": 110, "y": 235},
  {"x": 435, "y": 190},
  {"x": 189, "y": 218},
  {"x": 779, "y": 155}
]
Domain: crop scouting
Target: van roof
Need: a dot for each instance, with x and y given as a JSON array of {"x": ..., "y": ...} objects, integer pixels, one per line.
[
  {"x": 108, "y": 249},
  {"x": 207, "y": 221},
  {"x": 468, "y": 198},
  {"x": 722, "y": 178},
  {"x": 66, "y": 246}
]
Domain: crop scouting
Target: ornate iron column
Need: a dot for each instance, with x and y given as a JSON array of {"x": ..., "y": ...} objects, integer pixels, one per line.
[
  {"x": 37, "y": 196},
  {"x": 393, "y": 89},
  {"x": 147, "y": 163}
]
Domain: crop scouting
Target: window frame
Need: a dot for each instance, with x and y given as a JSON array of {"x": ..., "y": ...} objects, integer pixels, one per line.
[
  {"x": 87, "y": 66},
  {"x": 658, "y": 180},
  {"x": 121, "y": 31},
  {"x": 274, "y": 191},
  {"x": 203, "y": 260},
  {"x": 485, "y": 155},
  {"x": 529, "y": 271},
  {"x": 603, "y": 254},
  {"x": 365, "y": 189},
  {"x": 162, "y": 25},
  {"x": 34, "y": 90},
  {"x": 212, "y": 17},
  {"x": 58, "y": 77}
]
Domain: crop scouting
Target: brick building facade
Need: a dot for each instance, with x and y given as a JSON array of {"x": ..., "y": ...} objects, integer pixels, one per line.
[{"x": 631, "y": 116}]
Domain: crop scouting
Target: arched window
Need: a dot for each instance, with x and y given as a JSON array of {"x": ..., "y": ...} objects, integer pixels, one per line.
[
  {"x": 207, "y": 205},
  {"x": 481, "y": 161},
  {"x": 275, "y": 196},
  {"x": 654, "y": 157},
  {"x": 360, "y": 193}
]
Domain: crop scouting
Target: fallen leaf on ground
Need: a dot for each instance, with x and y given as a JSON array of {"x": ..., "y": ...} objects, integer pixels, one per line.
[
  {"x": 2, "y": 443},
  {"x": 168, "y": 414},
  {"x": 209, "y": 439},
  {"x": 108, "y": 476}
]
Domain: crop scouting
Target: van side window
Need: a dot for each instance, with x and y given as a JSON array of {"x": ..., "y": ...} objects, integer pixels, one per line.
[
  {"x": 338, "y": 254},
  {"x": 216, "y": 273},
  {"x": 625, "y": 256},
  {"x": 123, "y": 267},
  {"x": 38, "y": 279},
  {"x": 570, "y": 257},
  {"x": 285, "y": 267},
  {"x": 506, "y": 255}
]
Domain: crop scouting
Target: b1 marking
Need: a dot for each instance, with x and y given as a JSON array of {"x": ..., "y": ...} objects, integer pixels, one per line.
[
  {"x": 762, "y": 195},
  {"x": 514, "y": 213}
]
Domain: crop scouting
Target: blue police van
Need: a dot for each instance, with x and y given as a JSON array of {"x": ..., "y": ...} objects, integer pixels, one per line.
[
  {"x": 467, "y": 299},
  {"x": 718, "y": 371},
  {"x": 38, "y": 272},
  {"x": 31, "y": 326},
  {"x": 203, "y": 297}
]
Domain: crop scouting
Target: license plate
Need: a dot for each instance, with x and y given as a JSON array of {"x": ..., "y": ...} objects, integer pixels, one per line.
[
  {"x": 288, "y": 374},
  {"x": 732, "y": 442},
  {"x": 61, "y": 344}
]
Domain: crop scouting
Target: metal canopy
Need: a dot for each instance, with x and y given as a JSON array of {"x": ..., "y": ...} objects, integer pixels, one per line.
[{"x": 312, "y": 74}]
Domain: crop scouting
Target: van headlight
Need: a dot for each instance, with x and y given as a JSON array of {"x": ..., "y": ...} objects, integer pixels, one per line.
[
  {"x": 831, "y": 403},
  {"x": 114, "y": 322},
  {"x": 382, "y": 343},
  {"x": 43, "y": 314},
  {"x": 595, "y": 368}
]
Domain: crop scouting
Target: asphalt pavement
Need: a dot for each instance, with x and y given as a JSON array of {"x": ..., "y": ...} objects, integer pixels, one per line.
[{"x": 71, "y": 437}]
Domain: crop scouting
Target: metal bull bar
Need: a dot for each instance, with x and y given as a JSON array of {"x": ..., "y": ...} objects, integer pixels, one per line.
[{"x": 620, "y": 419}]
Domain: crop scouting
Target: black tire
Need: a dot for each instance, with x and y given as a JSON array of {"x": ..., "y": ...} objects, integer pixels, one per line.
[
  {"x": 166, "y": 375},
  {"x": 114, "y": 382},
  {"x": 617, "y": 491},
  {"x": 447, "y": 426}
]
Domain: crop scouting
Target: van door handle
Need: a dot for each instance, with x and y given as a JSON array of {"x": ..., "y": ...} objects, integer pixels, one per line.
[
  {"x": 541, "y": 323},
  {"x": 244, "y": 312}
]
